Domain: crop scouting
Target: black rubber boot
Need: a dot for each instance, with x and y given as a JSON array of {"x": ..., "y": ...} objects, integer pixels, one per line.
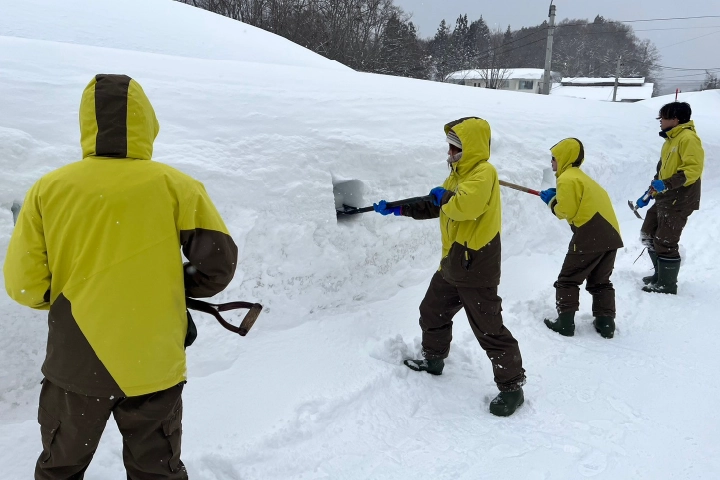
[
  {"x": 668, "y": 269},
  {"x": 564, "y": 325},
  {"x": 506, "y": 403},
  {"x": 652, "y": 278},
  {"x": 433, "y": 366},
  {"x": 605, "y": 326}
]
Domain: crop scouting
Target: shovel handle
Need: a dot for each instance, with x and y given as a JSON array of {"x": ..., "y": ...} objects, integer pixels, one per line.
[
  {"x": 397, "y": 203},
  {"x": 215, "y": 309},
  {"x": 519, "y": 187}
]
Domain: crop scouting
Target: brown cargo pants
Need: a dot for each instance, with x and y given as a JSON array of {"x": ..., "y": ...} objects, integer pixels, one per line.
[
  {"x": 482, "y": 306},
  {"x": 595, "y": 268},
  {"x": 662, "y": 228},
  {"x": 71, "y": 425}
]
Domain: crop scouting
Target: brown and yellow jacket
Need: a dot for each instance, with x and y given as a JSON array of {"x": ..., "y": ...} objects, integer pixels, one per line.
[
  {"x": 681, "y": 166},
  {"x": 97, "y": 243},
  {"x": 470, "y": 215},
  {"x": 583, "y": 202}
]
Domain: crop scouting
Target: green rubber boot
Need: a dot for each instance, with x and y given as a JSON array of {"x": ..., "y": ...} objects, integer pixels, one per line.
[
  {"x": 652, "y": 278},
  {"x": 432, "y": 366},
  {"x": 605, "y": 326},
  {"x": 668, "y": 269},
  {"x": 564, "y": 325},
  {"x": 506, "y": 403}
]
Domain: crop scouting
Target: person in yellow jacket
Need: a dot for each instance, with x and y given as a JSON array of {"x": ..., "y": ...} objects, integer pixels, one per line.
[
  {"x": 468, "y": 207},
  {"x": 596, "y": 238},
  {"x": 676, "y": 190},
  {"x": 97, "y": 244}
]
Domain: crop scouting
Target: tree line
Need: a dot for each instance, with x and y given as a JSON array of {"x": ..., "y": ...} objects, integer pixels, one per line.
[{"x": 377, "y": 36}]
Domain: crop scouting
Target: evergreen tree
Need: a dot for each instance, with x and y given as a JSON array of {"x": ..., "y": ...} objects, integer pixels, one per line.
[
  {"x": 479, "y": 38},
  {"x": 440, "y": 52}
]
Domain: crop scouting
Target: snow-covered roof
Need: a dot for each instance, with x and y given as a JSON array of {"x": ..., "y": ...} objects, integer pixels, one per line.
[
  {"x": 605, "y": 93},
  {"x": 508, "y": 74},
  {"x": 600, "y": 80}
]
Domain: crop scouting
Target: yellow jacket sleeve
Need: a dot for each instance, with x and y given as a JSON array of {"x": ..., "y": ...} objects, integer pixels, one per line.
[
  {"x": 567, "y": 199},
  {"x": 692, "y": 159},
  {"x": 26, "y": 271},
  {"x": 473, "y": 195}
]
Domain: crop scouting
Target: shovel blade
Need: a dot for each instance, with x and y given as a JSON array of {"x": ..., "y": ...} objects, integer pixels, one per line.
[{"x": 548, "y": 179}]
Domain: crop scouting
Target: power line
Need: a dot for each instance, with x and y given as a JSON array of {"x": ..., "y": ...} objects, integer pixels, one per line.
[
  {"x": 675, "y": 28},
  {"x": 622, "y": 32},
  {"x": 685, "y": 69},
  {"x": 665, "y": 19},
  {"x": 684, "y": 76},
  {"x": 689, "y": 40},
  {"x": 588, "y": 23}
]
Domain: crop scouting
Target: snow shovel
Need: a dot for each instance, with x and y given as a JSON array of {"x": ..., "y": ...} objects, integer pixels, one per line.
[
  {"x": 214, "y": 310},
  {"x": 348, "y": 210}
]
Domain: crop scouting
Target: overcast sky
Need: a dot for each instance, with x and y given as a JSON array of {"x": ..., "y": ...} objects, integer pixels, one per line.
[{"x": 691, "y": 53}]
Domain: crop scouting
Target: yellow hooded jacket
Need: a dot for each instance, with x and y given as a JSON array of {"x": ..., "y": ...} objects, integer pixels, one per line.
[
  {"x": 583, "y": 202},
  {"x": 681, "y": 166},
  {"x": 98, "y": 243},
  {"x": 470, "y": 215}
]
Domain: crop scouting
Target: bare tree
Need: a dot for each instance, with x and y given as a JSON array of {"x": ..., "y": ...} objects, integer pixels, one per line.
[
  {"x": 711, "y": 81},
  {"x": 495, "y": 73}
]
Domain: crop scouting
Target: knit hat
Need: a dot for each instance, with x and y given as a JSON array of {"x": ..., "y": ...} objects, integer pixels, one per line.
[{"x": 453, "y": 139}]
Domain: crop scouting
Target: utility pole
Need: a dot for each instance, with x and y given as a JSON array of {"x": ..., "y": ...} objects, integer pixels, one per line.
[
  {"x": 548, "y": 51},
  {"x": 617, "y": 76}
]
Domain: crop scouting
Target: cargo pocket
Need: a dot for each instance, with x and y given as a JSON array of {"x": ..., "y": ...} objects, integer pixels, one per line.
[
  {"x": 491, "y": 319},
  {"x": 49, "y": 426},
  {"x": 172, "y": 427},
  {"x": 491, "y": 308}
]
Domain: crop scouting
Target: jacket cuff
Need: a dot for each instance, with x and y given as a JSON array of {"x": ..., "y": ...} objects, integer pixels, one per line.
[
  {"x": 446, "y": 197},
  {"x": 552, "y": 203}
]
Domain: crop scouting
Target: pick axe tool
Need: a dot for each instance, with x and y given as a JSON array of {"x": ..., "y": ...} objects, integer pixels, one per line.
[
  {"x": 215, "y": 309},
  {"x": 645, "y": 198},
  {"x": 634, "y": 208}
]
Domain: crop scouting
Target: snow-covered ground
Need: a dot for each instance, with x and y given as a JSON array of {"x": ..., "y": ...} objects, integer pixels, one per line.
[{"x": 317, "y": 390}]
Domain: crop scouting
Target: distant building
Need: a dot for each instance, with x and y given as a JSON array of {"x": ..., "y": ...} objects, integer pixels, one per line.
[
  {"x": 526, "y": 80},
  {"x": 629, "y": 89}
]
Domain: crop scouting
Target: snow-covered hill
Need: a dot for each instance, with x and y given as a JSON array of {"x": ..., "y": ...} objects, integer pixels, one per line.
[{"x": 317, "y": 389}]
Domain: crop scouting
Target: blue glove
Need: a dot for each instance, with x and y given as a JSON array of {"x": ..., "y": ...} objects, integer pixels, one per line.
[
  {"x": 547, "y": 195},
  {"x": 383, "y": 209},
  {"x": 658, "y": 185},
  {"x": 642, "y": 202},
  {"x": 437, "y": 194}
]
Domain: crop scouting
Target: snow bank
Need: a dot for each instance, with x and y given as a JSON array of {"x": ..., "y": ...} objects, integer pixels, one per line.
[{"x": 158, "y": 26}]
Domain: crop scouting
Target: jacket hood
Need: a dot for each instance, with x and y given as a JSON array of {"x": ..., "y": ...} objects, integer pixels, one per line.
[
  {"x": 568, "y": 153},
  {"x": 117, "y": 119},
  {"x": 474, "y": 133}
]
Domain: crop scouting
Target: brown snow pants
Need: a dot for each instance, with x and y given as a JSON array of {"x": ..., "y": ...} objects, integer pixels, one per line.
[
  {"x": 482, "y": 306},
  {"x": 71, "y": 425},
  {"x": 595, "y": 268},
  {"x": 662, "y": 228}
]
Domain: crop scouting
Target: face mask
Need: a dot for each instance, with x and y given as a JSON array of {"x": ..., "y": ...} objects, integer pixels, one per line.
[{"x": 454, "y": 158}]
